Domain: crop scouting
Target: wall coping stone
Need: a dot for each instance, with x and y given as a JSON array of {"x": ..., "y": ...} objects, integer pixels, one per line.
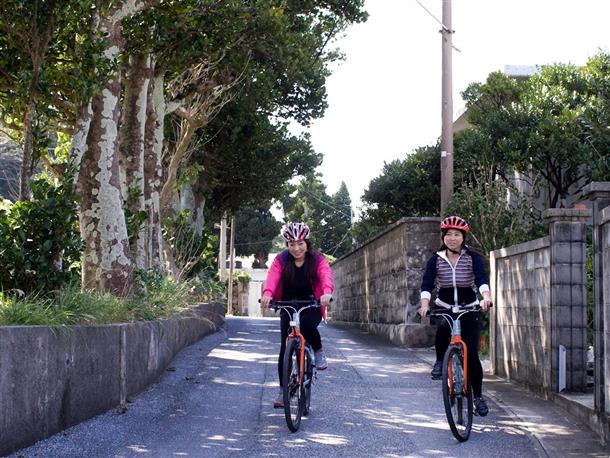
[
  {"x": 596, "y": 189},
  {"x": 524, "y": 247},
  {"x": 567, "y": 214},
  {"x": 391, "y": 227}
]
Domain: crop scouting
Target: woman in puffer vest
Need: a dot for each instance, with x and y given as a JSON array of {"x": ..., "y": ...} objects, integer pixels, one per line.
[
  {"x": 299, "y": 273},
  {"x": 456, "y": 273}
]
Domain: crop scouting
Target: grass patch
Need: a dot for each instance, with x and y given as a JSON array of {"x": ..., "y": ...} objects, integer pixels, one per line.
[{"x": 157, "y": 297}]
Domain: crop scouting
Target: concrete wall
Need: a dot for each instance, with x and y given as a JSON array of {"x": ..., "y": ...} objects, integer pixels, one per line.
[
  {"x": 520, "y": 321},
  {"x": 51, "y": 379},
  {"x": 377, "y": 285},
  {"x": 540, "y": 299}
]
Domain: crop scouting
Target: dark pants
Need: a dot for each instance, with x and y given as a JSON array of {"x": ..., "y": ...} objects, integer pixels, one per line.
[
  {"x": 310, "y": 319},
  {"x": 471, "y": 329}
]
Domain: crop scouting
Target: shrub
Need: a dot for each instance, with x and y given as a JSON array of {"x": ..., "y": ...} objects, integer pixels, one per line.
[{"x": 39, "y": 239}]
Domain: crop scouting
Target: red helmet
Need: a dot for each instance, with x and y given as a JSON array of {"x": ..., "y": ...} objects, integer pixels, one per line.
[
  {"x": 295, "y": 231},
  {"x": 455, "y": 222}
]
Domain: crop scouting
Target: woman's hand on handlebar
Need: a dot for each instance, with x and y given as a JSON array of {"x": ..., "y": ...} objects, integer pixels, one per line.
[
  {"x": 325, "y": 300},
  {"x": 424, "y": 308},
  {"x": 265, "y": 301},
  {"x": 486, "y": 302}
]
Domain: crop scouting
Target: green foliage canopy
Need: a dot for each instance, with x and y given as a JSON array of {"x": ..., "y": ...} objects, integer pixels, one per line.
[{"x": 255, "y": 230}]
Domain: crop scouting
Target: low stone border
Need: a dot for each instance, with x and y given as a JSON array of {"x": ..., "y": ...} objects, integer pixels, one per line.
[
  {"x": 598, "y": 422},
  {"x": 51, "y": 379},
  {"x": 410, "y": 335}
]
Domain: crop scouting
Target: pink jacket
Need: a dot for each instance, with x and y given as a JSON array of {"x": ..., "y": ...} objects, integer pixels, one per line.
[{"x": 273, "y": 283}]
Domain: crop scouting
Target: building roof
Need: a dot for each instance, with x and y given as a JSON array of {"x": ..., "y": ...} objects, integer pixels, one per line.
[{"x": 518, "y": 72}]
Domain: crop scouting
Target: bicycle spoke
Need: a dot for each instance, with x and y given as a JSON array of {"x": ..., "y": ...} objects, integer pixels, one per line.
[
  {"x": 293, "y": 405},
  {"x": 458, "y": 406}
]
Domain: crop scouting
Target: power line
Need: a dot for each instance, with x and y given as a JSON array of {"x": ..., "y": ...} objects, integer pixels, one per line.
[
  {"x": 255, "y": 243},
  {"x": 432, "y": 15},
  {"x": 327, "y": 204},
  {"x": 336, "y": 247},
  {"x": 445, "y": 28}
]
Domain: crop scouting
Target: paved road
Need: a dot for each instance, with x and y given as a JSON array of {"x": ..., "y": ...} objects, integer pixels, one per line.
[{"x": 375, "y": 400}]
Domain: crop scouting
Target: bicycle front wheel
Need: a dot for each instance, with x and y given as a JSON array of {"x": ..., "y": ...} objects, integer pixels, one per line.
[
  {"x": 458, "y": 401},
  {"x": 293, "y": 390},
  {"x": 307, "y": 380}
]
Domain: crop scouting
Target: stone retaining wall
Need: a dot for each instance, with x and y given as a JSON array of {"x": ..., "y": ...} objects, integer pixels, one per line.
[
  {"x": 51, "y": 379},
  {"x": 377, "y": 285}
]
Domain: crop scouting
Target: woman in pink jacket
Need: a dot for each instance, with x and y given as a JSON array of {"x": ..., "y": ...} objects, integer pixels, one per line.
[{"x": 299, "y": 273}]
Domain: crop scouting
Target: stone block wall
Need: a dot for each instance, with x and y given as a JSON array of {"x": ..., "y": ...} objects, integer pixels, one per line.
[
  {"x": 520, "y": 320},
  {"x": 377, "y": 285},
  {"x": 540, "y": 303},
  {"x": 567, "y": 232}
]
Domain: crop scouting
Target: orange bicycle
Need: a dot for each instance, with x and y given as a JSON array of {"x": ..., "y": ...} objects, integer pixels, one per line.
[
  {"x": 457, "y": 390},
  {"x": 299, "y": 366}
]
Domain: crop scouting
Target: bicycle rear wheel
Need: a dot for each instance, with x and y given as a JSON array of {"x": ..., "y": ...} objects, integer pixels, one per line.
[
  {"x": 307, "y": 380},
  {"x": 458, "y": 402},
  {"x": 293, "y": 390}
]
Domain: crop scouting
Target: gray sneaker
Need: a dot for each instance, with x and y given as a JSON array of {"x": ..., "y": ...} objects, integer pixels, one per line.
[
  {"x": 480, "y": 407},
  {"x": 321, "y": 362},
  {"x": 437, "y": 370}
]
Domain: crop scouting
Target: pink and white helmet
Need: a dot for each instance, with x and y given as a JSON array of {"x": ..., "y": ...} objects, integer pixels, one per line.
[{"x": 295, "y": 231}]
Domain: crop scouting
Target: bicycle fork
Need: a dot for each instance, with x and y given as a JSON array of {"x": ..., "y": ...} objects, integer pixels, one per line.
[
  {"x": 301, "y": 340},
  {"x": 457, "y": 341},
  {"x": 312, "y": 358}
]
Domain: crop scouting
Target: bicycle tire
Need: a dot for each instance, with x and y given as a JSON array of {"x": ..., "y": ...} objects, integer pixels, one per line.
[
  {"x": 307, "y": 380},
  {"x": 458, "y": 406},
  {"x": 293, "y": 390}
]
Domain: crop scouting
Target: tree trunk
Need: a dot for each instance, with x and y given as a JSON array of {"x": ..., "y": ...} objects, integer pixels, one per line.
[
  {"x": 106, "y": 259},
  {"x": 153, "y": 171},
  {"x": 131, "y": 149},
  {"x": 193, "y": 200},
  {"x": 79, "y": 137},
  {"x": 187, "y": 131},
  {"x": 27, "y": 163}
]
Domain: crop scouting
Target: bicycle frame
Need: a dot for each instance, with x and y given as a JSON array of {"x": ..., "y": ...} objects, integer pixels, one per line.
[
  {"x": 456, "y": 336},
  {"x": 295, "y": 326}
]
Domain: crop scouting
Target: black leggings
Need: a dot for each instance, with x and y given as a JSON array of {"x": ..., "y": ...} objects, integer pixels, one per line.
[
  {"x": 471, "y": 329},
  {"x": 310, "y": 319}
]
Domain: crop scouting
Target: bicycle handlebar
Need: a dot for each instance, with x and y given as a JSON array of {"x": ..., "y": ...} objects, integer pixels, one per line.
[{"x": 476, "y": 307}]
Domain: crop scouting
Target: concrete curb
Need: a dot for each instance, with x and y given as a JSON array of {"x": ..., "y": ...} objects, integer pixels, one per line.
[
  {"x": 52, "y": 379},
  {"x": 401, "y": 334}
]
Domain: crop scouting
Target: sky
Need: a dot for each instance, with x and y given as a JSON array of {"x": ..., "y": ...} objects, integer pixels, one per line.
[{"x": 385, "y": 97}]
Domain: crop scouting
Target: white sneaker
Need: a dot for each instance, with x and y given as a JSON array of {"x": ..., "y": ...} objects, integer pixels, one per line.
[
  {"x": 321, "y": 362},
  {"x": 278, "y": 403}
]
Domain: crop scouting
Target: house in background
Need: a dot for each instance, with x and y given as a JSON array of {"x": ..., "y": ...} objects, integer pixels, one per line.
[{"x": 523, "y": 182}]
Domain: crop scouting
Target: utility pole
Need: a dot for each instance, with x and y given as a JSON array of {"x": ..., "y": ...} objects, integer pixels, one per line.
[
  {"x": 447, "y": 111},
  {"x": 222, "y": 254},
  {"x": 231, "y": 267}
]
